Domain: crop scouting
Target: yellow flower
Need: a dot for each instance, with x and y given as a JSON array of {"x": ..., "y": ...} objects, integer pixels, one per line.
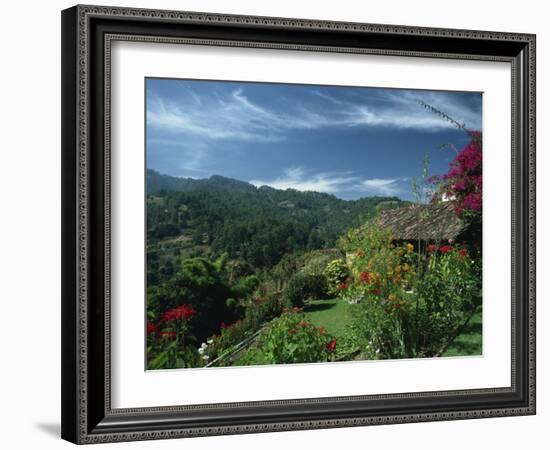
[
  {"x": 398, "y": 269},
  {"x": 410, "y": 247}
]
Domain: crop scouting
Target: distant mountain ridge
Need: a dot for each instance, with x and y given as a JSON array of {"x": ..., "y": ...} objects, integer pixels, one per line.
[{"x": 159, "y": 182}]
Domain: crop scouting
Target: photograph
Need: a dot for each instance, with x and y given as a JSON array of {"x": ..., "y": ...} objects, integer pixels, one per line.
[
  {"x": 302, "y": 223},
  {"x": 272, "y": 222}
]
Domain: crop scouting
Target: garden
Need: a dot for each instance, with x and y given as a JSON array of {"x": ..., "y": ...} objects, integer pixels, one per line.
[{"x": 404, "y": 283}]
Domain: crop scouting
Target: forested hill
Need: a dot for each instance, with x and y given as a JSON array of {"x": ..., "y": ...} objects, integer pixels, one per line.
[
  {"x": 158, "y": 182},
  {"x": 258, "y": 225}
]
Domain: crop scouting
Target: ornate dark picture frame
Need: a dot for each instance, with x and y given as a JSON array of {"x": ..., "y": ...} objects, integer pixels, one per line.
[{"x": 87, "y": 34}]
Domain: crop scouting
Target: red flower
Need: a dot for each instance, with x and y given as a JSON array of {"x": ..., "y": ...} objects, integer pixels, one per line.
[
  {"x": 322, "y": 330},
  {"x": 180, "y": 312},
  {"x": 376, "y": 292},
  {"x": 331, "y": 346},
  {"x": 463, "y": 252},
  {"x": 151, "y": 328},
  {"x": 342, "y": 286},
  {"x": 431, "y": 248},
  {"x": 364, "y": 277},
  {"x": 445, "y": 249}
]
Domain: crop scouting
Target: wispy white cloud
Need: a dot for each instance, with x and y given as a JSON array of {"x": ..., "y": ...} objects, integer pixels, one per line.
[
  {"x": 222, "y": 121},
  {"x": 234, "y": 116},
  {"x": 297, "y": 178},
  {"x": 333, "y": 183},
  {"x": 402, "y": 109},
  {"x": 383, "y": 186}
]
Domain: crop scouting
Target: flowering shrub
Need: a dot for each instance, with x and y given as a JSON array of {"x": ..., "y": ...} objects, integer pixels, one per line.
[
  {"x": 463, "y": 182},
  {"x": 379, "y": 270},
  {"x": 179, "y": 314},
  {"x": 167, "y": 341},
  {"x": 260, "y": 311},
  {"x": 382, "y": 273},
  {"x": 291, "y": 339},
  {"x": 336, "y": 273},
  {"x": 407, "y": 304}
]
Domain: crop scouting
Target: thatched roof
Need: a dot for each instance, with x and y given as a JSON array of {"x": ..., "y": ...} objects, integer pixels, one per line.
[{"x": 432, "y": 222}]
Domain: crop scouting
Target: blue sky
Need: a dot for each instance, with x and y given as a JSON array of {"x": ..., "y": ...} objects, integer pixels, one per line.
[{"x": 347, "y": 141}]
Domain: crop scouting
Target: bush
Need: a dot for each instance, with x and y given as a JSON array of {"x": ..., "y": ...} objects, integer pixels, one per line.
[
  {"x": 290, "y": 339},
  {"x": 315, "y": 262},
  {"x": 381, "y": 277},
  {"x": 168, "y": 341},
  {"x": 335, "y": 272},
  {"x": 259, "y": 312},
  {"x": 305, "y": 286},
  {"x": 245, "y": 286},
  {"x": 443, "y": 298},
  {"x": 198, "y": 283},
  {"x": 408, "y": 304}
]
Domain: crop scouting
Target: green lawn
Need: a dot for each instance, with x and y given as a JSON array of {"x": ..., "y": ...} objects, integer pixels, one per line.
[
  {"x": 469, "y": 342},
  {"x": 332, "y": 314}
]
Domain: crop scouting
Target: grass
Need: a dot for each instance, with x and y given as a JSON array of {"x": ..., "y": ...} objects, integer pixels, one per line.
[
  {"x": 332, "y": 314},
  {"x": 469, "y": 342}
]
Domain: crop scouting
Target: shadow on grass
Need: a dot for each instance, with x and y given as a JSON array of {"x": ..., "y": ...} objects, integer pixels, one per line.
[
  {"x": 473, "y": 327},
  {"x": 465, "y": 348},
  {"x": 312, "y": 307},
  {"x": 469, "y": 341}
]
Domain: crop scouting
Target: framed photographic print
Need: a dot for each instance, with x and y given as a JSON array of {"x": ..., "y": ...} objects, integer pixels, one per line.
[{"x": 281, "y": 224}]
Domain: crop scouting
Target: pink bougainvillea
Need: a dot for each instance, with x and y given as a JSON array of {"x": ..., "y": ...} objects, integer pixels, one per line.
[{"x": 463, "y": 182}]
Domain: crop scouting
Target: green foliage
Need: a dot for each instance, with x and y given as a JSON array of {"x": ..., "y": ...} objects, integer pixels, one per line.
[
  {"x": 257, "y": 313},
  {"x": 315, "y": 262},
  {"x": 290, "y": 339},
  {"x": 245, "y": 286},
  {"x": 256, "y": 225},
  {"x": 379, "y": 332},
  {"x": 469, "y": 341},
  {"x": 199, "y": 284},
  {"x": 407, "y": 304},
  {"x": 240, "y": 256},
  {"x": 444, "y": 298},
  {"x": 336, "y": 272},
  {"x": 169, "y": 343},
  {"x": 381, "y": 276},
  {"x": 303, "y": 286},
  {"x": 173, "y": 356}
]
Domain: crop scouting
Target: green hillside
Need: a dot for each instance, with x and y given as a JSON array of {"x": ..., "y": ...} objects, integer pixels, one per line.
[{"x": 258, "y": 226}]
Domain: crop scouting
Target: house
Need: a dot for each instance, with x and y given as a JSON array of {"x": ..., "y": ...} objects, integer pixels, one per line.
[{"x": 431, "y": 223}]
